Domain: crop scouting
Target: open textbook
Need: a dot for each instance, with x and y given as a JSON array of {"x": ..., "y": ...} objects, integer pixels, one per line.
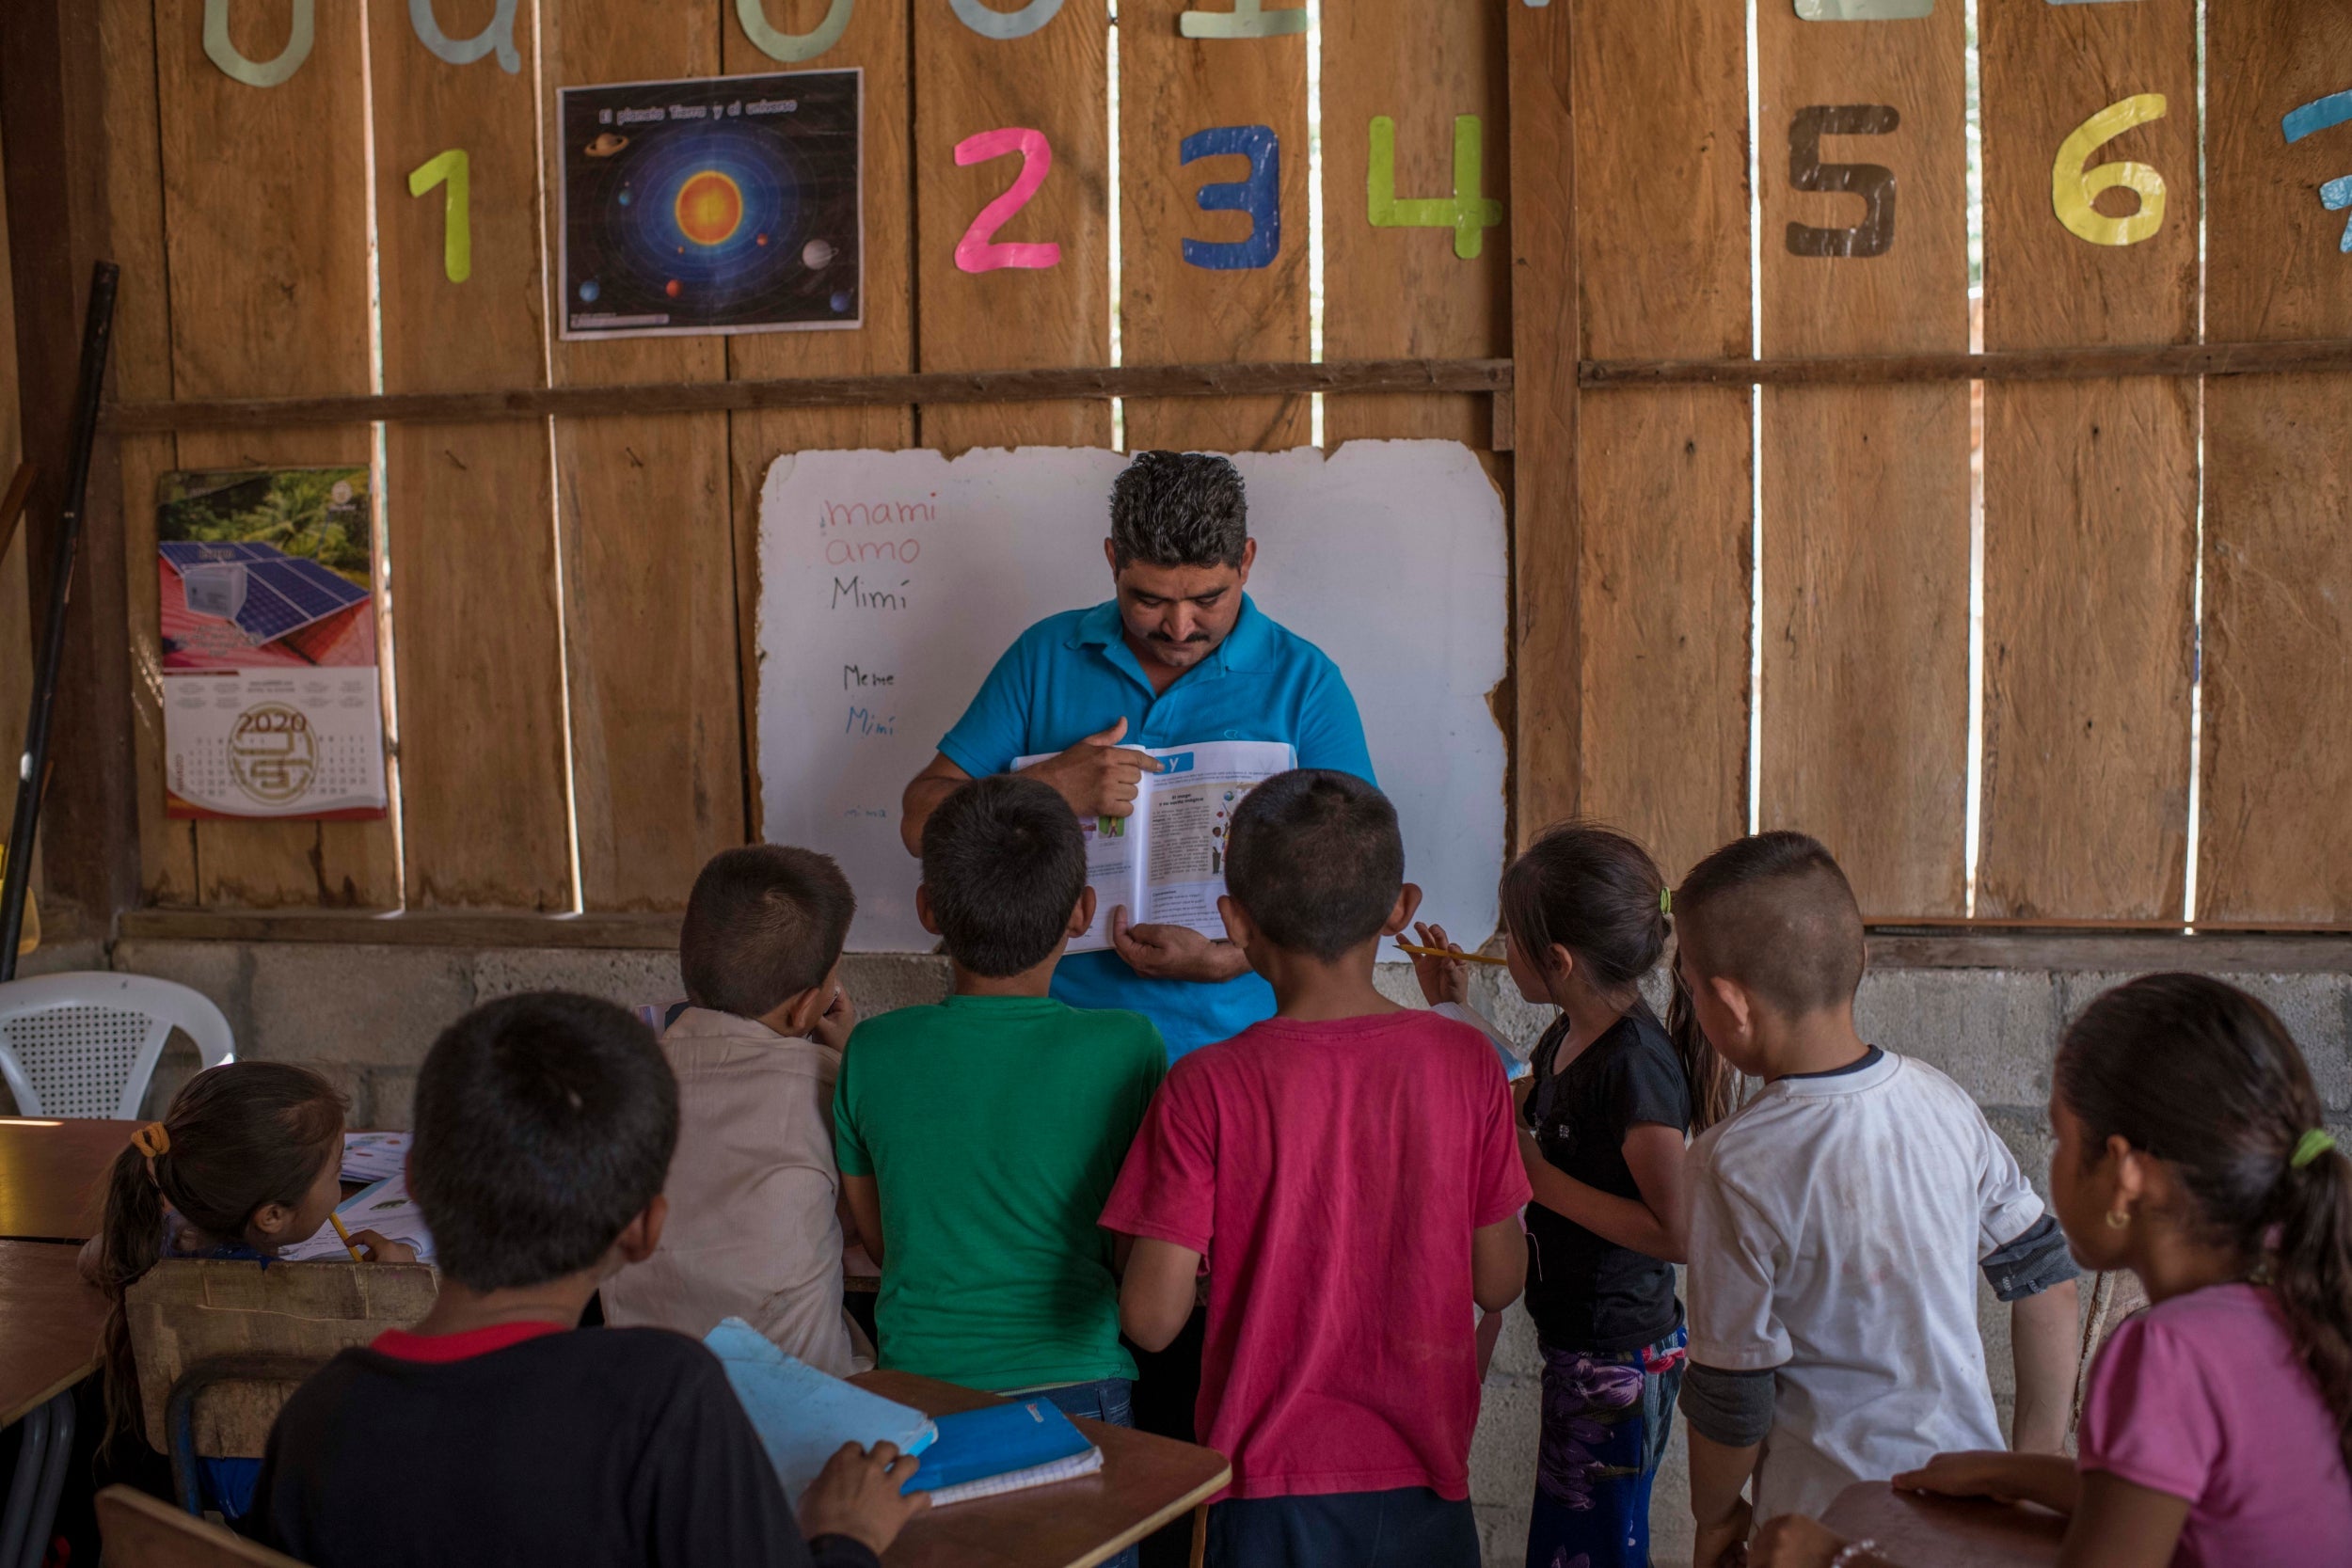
[{"x": 1165, "y": 864}]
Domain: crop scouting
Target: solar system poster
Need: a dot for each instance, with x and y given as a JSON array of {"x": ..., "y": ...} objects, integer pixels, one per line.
[
  {"x": 266, "y": 624},
  {"x": 728, "y": 204}
]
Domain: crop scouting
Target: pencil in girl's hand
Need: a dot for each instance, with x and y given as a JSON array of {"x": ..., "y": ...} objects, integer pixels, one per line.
[
  {"x": 336, "y": 1221},
  {"x": 1441, "y": 953}
]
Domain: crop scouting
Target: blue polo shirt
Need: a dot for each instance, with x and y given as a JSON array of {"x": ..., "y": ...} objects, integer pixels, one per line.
[{"x": 1073, "y": 674}]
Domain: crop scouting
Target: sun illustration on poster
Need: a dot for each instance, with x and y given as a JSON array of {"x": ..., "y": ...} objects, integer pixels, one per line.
[{"x": 710, "y": 207}]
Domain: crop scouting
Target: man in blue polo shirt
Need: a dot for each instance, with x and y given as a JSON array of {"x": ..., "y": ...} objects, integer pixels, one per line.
[{"x": 1180, "y": 656}]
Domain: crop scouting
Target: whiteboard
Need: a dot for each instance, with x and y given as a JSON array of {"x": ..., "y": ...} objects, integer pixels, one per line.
[{"x": 891, "y": 581}]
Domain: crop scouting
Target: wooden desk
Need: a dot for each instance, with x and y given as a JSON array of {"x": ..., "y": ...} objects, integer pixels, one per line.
[
  {"x": 1145, "y": 1481},
  {"x": 1947, "y": 1532},
  {"x": 53, "y": 1175},
  {"x": 48, "y": 1327}
]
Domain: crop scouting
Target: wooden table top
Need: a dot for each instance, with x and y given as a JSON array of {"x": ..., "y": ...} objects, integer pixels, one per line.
[
  {"x": 1145, "y": 1481},
  {"x": 49, "y": 1325},
  {"x": 53, "y": 1175},
  {"x": 1922, "y": 1531}
]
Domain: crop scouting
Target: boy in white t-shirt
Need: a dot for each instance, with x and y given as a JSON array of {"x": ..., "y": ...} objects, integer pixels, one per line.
[{"x": 1839, "y": 1219}]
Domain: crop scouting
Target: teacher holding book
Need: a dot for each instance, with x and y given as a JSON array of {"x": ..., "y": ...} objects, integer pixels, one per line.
[{"x": 1179, "y": 657}]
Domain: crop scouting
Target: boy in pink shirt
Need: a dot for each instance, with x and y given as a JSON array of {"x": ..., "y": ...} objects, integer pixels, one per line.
[{"x": 1348, "y": 1173}]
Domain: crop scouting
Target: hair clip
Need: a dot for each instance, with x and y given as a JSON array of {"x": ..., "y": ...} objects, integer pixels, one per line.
[{"x": 2309, "y": 1147}]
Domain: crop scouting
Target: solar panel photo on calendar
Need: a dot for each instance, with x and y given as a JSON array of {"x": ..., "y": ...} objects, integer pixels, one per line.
[
  {"x": 712, "y": 206},
  {"x": 266, "y": 567}
]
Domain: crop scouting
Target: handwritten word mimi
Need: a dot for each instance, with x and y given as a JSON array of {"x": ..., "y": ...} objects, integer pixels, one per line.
[
  {"x": 855, "y": 594},
  {"x": 877, "y": 513},
  {"x": 854, "y": 677},
  {"x": 864, "y": 722}
]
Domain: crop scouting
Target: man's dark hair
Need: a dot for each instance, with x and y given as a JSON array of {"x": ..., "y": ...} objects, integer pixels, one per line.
[
  {"x": 764, "y": 924},
  {"x": 544, "y": 1124},
  {"x": 1316, "y": 859},
  {"x": 1773, "y": 912},
  {"x": 1179, "y": 509},
  {"x": 1005, "y": 861}
]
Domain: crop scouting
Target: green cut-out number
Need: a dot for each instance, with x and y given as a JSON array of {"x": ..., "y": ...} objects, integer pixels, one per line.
[
  {"x": 452, "y": 169},
  {"x": 1466, "y": 211},
  {"x": 792, "y": 48}
]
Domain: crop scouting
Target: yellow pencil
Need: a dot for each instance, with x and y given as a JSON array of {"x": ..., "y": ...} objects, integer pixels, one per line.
[
  {"x": 336, "y": 1221},
  {"x": 1441, "y": 953}
]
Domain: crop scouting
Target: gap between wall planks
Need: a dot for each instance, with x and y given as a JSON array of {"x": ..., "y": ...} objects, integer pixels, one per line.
[
  {"x": 16, "y": 606},
  {"x": 2090, "y": 487},
  {"x": 875, "y": 43},
  {"x": 2275, "y": 839},
  {"x": 1056, "y": 81},
  {"x": 1171, "y": 311},
  {"x": 1663, "y": 477},
  {"x": 469, "y": 504},
  {"x": 648, "y": 539},
  {"x": 1547, "y": 334},
  {"x": 1423, "y": 66},
  {"x": 266, "y": 251},
  {"x": 1864, "y": 683}
]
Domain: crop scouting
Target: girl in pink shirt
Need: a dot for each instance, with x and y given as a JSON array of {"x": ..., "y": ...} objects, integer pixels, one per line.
[{"x": 2217, "y": 1426}]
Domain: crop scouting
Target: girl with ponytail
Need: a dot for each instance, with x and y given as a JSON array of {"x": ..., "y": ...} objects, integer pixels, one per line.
[
  {"x": 244, "y": 1165},
  {"x": 1603, "y": 1115},
  {"x": 2217, "y": 1426}
]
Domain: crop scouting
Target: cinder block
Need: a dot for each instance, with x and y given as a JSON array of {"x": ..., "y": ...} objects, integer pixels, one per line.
[
  {"x": 2027, "y": 1133},
  {"x": 885, "y": 982},
  {"x": 364, "y": 1004},
  {"x": 2316, "y": 1009},
  {"x": 630, "y": 976},
  {"x": 222, "y": 971},
  {"x": 1989, "y": 1031},
  {"x": 1502, "y": 1450},
  {"x": 57, "y": 958},
  {"x": 391, "y": 1099}
]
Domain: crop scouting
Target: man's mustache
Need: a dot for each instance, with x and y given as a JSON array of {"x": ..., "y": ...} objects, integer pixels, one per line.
[{"x": 1163, "y": 637}]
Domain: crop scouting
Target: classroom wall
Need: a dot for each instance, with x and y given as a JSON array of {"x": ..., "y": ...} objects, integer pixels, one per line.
[{"x": 365, "y": 1015}]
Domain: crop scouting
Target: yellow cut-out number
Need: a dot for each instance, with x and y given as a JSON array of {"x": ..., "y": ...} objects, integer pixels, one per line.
[
  {"x": 2073, "y": 188},
  {"x": 1466, "y": 211},
  {"x": 452, "y": 169}
]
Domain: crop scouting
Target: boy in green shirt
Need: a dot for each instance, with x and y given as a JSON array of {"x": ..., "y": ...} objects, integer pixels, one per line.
[{"x": 979, "y": 1138}]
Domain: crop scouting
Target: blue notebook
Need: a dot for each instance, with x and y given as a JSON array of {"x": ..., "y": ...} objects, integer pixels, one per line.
[
  {"x": 804, "y": 1416},
  {"x": 1002, "y": 1449}
]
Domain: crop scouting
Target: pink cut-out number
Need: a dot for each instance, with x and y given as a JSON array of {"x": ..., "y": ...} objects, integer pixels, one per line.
[{"x": 978, "y": 250}]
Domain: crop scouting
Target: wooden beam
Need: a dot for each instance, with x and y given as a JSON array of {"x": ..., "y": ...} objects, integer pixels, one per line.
[
  {"x": 2066, "y": 364},
  {"x": 1130, "y": 381}
]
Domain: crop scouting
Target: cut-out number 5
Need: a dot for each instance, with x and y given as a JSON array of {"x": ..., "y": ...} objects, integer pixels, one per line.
[
  {"x": 2073, "y": 188},
  {"x": 979, "y": 250},
  {"x": 1874, "y": 182}
]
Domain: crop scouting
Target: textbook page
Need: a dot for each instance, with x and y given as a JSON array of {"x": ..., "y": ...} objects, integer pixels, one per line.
[{"x": 1166, "y": 862}]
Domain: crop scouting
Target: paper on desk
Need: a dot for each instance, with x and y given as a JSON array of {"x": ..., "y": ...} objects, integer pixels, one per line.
[
  {"x": 373, "y": 1156},
  {"x": 386, "y": 1209},
  {"x": 804, "y": 1416}
]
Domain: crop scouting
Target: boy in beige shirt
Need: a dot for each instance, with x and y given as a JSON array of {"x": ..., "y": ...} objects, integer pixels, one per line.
[{"x": 755, "y": 1230}]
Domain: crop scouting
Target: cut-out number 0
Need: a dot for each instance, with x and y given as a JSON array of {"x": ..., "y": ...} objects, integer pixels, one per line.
[{"x": 979, "y": 250}]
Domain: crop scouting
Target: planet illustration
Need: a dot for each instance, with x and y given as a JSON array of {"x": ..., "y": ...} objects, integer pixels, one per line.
[
  {"x": 759, "y": 239},
  {"x": 840, "y": 301},
  {"x": 709, "y": 207},
  {"x": 589, "y": 291},
  {"x": 628, "y": 196},
  {"x": 605, "y": 145},
  {"x": 674, "y": 288},
  {"x": 818, "y": 255}
]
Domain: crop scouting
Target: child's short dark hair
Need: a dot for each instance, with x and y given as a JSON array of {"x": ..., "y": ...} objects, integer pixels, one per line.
[
  {"x": 1316, "y": 859},
  {"x": 1773, "y": 912},
  {"x": 544, "y": 1124},
  {"x": 764, "y": 924},
  {"x": 1005, "y": 861}
]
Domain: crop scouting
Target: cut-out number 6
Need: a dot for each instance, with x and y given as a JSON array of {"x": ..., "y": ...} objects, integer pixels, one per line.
[
  {"x": 2073, "y": 188},
  {"x": 979, "y": 250}
]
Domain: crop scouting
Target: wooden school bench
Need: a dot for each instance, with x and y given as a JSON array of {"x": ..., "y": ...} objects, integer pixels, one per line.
[
  {"x": 53, "y": 1175},
  {"x": 1947, "y": 1532},
  {"x": 49, "y": 1326}
]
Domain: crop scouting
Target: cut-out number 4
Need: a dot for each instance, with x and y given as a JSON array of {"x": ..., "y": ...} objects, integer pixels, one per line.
[{"x": 979, "y": 250}]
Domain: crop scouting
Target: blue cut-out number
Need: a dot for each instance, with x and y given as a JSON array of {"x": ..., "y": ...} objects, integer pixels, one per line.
[
  {"x": 2319, "y": 114},
  {"x": 1260, "y": 196}
]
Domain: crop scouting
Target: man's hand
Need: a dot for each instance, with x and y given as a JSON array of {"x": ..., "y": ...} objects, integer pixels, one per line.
[
  {"x": 2048, "y": 1479},
  {"x": 1098, "y": 776},
  {"x": 833, "y": 1025},
  {"x": 1441, "y": 979},
  {"x": 1793, "y": 1541},
  {"x": 1174, "y": 951},
  {"x": 856, "y": 1495},
  {"x": 1725, "y": 1542}
]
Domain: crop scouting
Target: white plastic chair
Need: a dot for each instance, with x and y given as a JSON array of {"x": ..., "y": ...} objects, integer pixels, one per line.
[{"x": 86, "y": 1043}]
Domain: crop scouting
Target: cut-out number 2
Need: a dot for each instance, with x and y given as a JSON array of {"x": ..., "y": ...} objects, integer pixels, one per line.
[
  {"x": 1874, "y": 182},
  {"x": 979, "y": 250}
]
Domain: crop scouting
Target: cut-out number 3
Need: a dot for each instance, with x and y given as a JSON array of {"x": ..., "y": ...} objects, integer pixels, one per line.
[
  {"x": 2073, "y": 188},
  {"x": 979, "y": 250}
]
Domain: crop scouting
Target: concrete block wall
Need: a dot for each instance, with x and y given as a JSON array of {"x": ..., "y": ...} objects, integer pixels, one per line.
[{"x": 365, "y": 1015}]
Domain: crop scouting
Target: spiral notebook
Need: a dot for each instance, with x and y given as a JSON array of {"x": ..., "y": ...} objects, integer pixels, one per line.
[{"x": 1000, "y": 1448}]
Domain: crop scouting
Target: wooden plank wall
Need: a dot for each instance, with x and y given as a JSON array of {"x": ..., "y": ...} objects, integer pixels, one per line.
[
  {"x": 16, "y": 613},
  {"x": 2277, "y": 818},
  {"x": 1865, "y": 679},
  {"x": 2089, "y": 486}
]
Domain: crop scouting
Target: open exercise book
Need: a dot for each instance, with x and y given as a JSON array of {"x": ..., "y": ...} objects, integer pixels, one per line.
[
  {"x": 386, "y": 1209},
  {"x": 804, "y": 1416},
  {"x": 1165, "y": 864}
]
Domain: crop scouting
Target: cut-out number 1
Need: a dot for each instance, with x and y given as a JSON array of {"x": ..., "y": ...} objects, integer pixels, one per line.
[
  {"x": 979, "y": 250},
  {"x": 454, "y": 169}
]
